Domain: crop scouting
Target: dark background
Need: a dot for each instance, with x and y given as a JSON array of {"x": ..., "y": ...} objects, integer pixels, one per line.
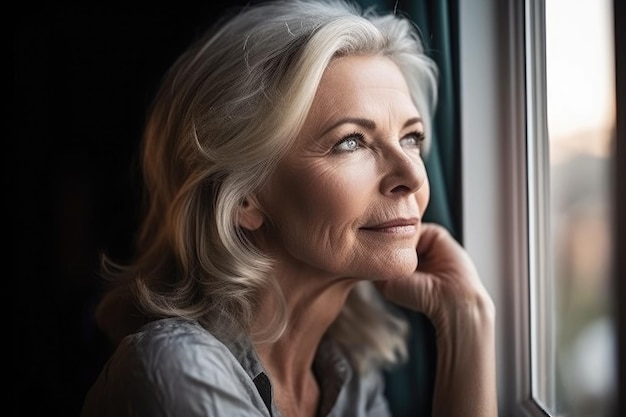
[{"x": 81, "y": 78}]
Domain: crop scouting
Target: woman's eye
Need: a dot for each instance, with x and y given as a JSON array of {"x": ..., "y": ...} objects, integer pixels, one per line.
[
  {"x": 349, "y": 144},
  {"x": 413, "y": 140}
]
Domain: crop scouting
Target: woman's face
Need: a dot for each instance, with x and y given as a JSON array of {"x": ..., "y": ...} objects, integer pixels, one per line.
[{"x": 348, "y": 198}]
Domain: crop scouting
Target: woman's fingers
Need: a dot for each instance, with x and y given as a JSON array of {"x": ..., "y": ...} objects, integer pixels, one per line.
[
  {"x": 447, "y": 288},
  {"x": 444, "y": 281}
]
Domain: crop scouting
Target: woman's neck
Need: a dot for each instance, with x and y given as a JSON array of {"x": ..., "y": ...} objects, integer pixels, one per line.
[{"x": 312, "y": 305}]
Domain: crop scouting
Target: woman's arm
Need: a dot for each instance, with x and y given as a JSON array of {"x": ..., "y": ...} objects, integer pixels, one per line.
[{"x": 446, "y": 287}]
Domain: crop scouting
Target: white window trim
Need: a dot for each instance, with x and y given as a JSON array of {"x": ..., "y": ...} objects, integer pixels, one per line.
[
  {"x": 541, "y": 288},
  {"x": 494, "y": 173}
]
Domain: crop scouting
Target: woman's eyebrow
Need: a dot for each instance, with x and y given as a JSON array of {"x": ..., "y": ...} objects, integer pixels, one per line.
[
  {"x": 412, "y": 121},
  {"x": 367, "y": 123}
]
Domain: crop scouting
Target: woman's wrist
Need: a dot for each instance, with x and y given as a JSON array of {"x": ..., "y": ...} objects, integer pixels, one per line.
[
  {"x": 465, "y": 319},
  {"x": 466, "y": 369}
]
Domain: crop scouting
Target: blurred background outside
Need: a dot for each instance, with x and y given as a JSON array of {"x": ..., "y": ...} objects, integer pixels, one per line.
[{"x": 581, "y": 126}]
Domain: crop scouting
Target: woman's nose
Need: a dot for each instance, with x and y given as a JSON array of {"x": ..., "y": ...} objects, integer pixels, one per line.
[{"x": 405, "y": 173}]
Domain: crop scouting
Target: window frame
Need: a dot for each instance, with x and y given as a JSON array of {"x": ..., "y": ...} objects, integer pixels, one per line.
[
  {"x": 619, "y": 206},
  {"x": 541, "y": 292},
  {"x": 496, "y": 216},
  {"x": 499, "y": 112}
]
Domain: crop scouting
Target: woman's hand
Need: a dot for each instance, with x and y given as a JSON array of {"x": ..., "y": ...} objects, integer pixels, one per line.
[
  {"x": 446, "y": 287},
  {"x": 445, "y": 283}
]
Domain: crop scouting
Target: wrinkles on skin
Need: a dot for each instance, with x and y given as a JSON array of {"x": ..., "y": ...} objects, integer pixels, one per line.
[
  {"x": 317, "y": 235},
  {"x": 447, "y": 288},
  {"x": 334, "y": 215},
  {"x": 444, "y": 271}
]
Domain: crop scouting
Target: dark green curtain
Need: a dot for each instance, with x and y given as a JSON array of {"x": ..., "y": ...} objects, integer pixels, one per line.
[{"x": 410, "y": 387}]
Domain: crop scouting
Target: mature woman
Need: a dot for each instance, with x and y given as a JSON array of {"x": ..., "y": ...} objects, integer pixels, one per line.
[{"x": 285, "y": 192}]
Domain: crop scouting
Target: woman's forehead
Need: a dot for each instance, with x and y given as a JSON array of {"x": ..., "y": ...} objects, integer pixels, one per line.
[{"x": 356, "y": 84}]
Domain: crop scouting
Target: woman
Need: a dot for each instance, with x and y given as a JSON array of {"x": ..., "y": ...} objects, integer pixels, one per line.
[{"x": 283, "y": 166}]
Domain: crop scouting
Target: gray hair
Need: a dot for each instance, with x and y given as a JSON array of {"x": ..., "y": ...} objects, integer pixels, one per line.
[{"x": 225, "y": 114}]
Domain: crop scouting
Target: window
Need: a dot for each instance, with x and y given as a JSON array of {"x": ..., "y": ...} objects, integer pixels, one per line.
[
  {"x": 538, "y": 146},
  {"x": 572, "y": 328}
]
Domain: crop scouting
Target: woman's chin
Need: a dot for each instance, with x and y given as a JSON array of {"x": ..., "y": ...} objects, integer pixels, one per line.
[{"x": 399, "y": 265}]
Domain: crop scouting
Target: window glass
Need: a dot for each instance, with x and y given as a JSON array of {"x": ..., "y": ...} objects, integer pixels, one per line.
[{"x": 576, "y": 375}]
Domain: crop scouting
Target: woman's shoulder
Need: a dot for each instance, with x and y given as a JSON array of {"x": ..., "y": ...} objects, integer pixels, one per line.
[
  {"x": 169, "y": 364},
  {"x": 171, "y": 333},
  {"x": 174, "y": 345}
]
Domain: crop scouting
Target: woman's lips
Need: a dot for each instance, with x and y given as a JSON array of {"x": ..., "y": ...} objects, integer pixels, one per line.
[{"x": 395, "y": 226}]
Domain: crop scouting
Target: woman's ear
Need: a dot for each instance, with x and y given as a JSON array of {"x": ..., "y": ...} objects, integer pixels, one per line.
[{"x": 250, "y": 215}]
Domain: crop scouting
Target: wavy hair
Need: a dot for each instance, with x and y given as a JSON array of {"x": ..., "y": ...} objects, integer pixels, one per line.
[{"x": 225, "y": 113}]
